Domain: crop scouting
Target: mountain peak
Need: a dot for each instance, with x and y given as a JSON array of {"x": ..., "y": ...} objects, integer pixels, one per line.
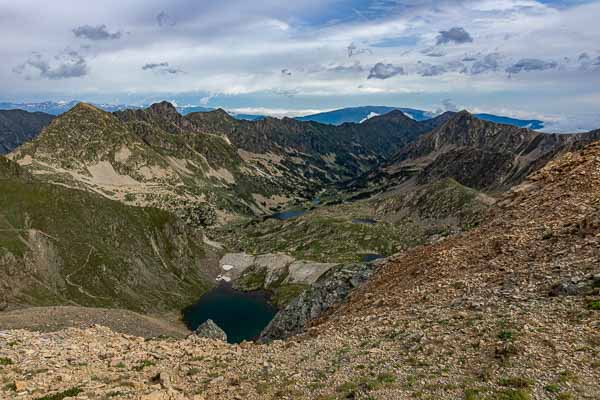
[
  {"x": 211, "y": 116},
  {"x": 220, "y": 112},
  {"x": 83, "y": 107},
  {"x": 163, "y": 108},
  {"x": 394, "y": 116}
]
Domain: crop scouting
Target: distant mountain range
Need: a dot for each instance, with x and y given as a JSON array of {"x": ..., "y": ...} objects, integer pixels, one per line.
[
  {"x": 335, "y": 117},
  {"x": 60, "y": 107},
  {"x": 360, "y": 114}
]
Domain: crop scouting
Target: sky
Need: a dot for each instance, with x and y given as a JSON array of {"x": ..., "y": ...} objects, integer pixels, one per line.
[{"x": 520, "y": 58}]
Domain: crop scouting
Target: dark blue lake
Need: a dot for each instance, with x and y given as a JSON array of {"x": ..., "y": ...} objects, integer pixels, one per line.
[
  {"x": 288, "y": 214},
  {"x": 371, "y": 257},
  {"x": 242, "y": 315}
]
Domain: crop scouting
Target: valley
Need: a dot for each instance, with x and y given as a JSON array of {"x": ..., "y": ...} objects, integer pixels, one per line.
[{"x": 352, "y": 253}]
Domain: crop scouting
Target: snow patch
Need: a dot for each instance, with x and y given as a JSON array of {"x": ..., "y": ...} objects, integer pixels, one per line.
[{"x": 371, "y": 115}]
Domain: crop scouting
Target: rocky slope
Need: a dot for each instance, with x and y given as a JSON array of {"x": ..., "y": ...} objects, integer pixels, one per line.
[
  {"x": 207, "y": 162},
  {"x": 141, "y": 164},
  {"x": 478, "y": 154},
  {"x": 65, "y": 246},
  {"x": 57, "y": 318},
  {"x": 18, "y": 127},
  {"x": 477, "y": 316}
]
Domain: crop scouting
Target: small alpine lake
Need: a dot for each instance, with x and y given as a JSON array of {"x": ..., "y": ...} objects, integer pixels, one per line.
[
  {"x": 284, "y": 215},
  {"x": 364, "y": 221},
  {"x": 242, "y": 315},
  {"x": 371, "y": 257}
]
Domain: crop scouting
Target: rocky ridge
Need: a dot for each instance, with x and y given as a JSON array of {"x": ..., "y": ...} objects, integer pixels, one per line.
[
  {"x": 207, "y": 162},
  {"x": 479, "y": 154}
]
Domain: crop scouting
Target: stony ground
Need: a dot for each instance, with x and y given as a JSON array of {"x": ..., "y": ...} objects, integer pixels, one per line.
[
  {"x": 466, "y": 318},
  {"x": 52, "y": 319}
]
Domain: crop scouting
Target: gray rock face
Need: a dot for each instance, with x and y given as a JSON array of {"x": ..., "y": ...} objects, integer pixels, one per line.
[
  {"x": 577, "y": 286},
  {"x": 211, "y": 330},
  {"x": 330, "y": 289}
]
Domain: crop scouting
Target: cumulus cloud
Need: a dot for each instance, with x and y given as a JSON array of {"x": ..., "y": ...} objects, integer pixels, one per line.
[
  {"x": 385, "y": 71},
  {"x": 531, "y": 64},
  {"x": 489, "y": 63},
  {"x": 426, "y": 69},
  {"x": 162, "y": 67},
  {"x": 587, "y": 62},
  {"x": 356, "y": 67},
  {"x": 433, "y": 52},
  {"x": 583, "y": 57},
  {"x": 155, "y": 65},
  {"x": 449, "y": 105},
  {"x": 99, "y": 32},
  {"x": 353, "y": 50},
  {"x": 431, "y": 70},
  {"x": 454, "y": 35},
  {"x": 69, "y": 64},
  {"x": 164, "y": 20}
]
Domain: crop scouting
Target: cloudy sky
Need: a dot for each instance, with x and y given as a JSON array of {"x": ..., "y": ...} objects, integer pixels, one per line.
[{"x": 522, "y": 58}]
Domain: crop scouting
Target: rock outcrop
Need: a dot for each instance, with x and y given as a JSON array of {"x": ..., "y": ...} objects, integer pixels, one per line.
[
  {"x": 210, "y": 330},
  {"x": 330, "y": 290}
]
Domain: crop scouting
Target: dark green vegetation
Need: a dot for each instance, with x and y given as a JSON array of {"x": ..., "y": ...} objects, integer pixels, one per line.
[
  {"x": 363, "y": 386},
  {"x": 5, "y": 361},
  {"x": 62, "y": 395},
  {"x": 65, "y": 246},
  {"x": 17, "y": 127}
]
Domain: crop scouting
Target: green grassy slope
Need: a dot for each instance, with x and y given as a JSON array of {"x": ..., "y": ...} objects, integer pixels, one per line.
[
  {"x": 386, "y": 224},
  {"x": 65, "y": 246}
]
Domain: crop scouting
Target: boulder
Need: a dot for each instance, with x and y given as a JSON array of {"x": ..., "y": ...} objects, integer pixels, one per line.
[
  {"x": 211, "y": 330},
  {"x": 577, "y": 286}
]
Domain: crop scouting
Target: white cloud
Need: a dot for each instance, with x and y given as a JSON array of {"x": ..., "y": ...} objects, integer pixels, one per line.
[{"x": 239, "y": 48}]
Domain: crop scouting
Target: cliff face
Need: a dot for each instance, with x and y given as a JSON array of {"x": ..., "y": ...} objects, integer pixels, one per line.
[{"x": 329, "y": 291}]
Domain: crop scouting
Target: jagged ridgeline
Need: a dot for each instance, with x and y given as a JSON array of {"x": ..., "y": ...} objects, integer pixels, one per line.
[
  {"x": 478, "y": 154},
  {"x": 64, "y": 246},
  {"x": 156, "y": 157}
]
